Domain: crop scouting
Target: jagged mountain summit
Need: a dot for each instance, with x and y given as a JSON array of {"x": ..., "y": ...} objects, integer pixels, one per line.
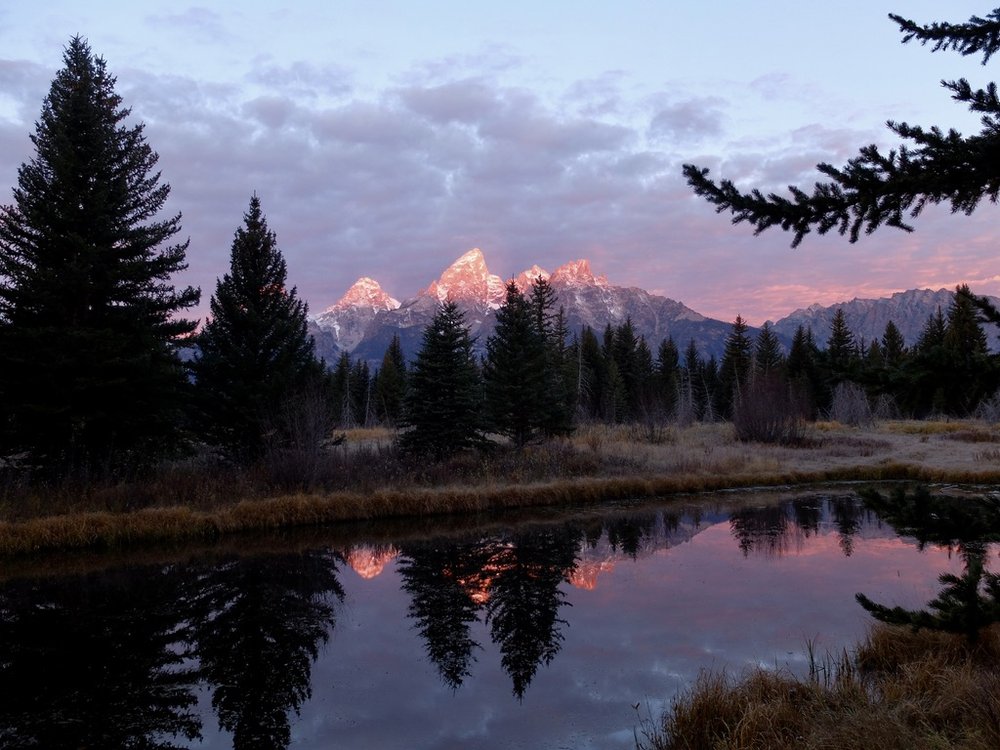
[
  {"x": 867, "y": 318},
  {"x": 588, "y": 300},
  {"x": 346, "y": 321}
]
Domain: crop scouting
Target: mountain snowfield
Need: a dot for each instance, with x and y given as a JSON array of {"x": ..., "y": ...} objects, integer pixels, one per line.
[{"x": 364, "y": 320}]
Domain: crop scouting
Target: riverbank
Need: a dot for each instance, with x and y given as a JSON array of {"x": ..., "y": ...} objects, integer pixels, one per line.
[
  {"x": 899, "y": 689},
  {"x": 364, "y": 479}
]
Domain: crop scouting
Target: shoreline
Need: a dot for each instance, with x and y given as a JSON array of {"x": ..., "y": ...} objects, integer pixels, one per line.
[{"x": 698, "y": 459}]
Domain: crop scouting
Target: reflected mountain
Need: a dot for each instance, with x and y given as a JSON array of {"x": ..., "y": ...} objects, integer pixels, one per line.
[
  {"x": 258, "y": 623},
  {"x": 97, "y": 661}
]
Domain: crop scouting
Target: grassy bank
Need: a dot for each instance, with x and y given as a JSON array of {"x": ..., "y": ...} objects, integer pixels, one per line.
[
  {"x": 365, "y": 479},
  {"x": 899, "y": 689}
]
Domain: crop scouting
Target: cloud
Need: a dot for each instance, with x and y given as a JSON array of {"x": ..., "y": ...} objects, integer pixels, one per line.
[
  {"x": 194, "y": 20},
  {"x": 688, "y": 120},
  {"x": 301, "y": 79}
]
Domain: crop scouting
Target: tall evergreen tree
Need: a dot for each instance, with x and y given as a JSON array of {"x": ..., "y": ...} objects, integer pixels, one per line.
[
  {"x": 590, "y": 375},
  {"x": 767, "y": 356},
  {"x": 89, "y": 373},
  {"x": 971, "y": 376},
  {"x": 893, "y": 345},
  {"x": 735, "y": 369},
  {"x": 841, "y": 348},
  {"x": 514, "y": 373},
  {"x": 803, "y": 369},
  {"x": 557, "y": 402},
  {"x": 256, "y": 355},
  {"x": 390, "y": 384},
  {"x": 668, "y": 374},
  {"x": 442, "y": 409}
]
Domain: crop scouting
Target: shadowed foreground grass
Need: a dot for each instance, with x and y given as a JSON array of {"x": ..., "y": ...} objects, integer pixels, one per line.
[
  {"x": 900, "y": 689},
  {"x": 366, "y": 479}
]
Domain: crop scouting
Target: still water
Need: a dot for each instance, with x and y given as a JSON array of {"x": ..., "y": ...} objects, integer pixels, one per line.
[{"x": 548, "y": 630}]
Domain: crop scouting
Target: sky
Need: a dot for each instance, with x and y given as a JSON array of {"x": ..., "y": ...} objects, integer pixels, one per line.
[{"x": 385, "y": 139}]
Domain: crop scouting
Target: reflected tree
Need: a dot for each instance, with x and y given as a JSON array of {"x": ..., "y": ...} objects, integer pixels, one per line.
[
  {"x": 967, "y": 603},
  {"x": 761, "y": 529},
  {"x": 626, "y": 533},
  {"x": 848, "y": 514},
  {"x": 524, "y": 602},
  {"x": 444, "y": 579},
  {"x": 97, "y": 661},
  {"x": 258, "y": 625},
  {"x": 808, "y": 512}
]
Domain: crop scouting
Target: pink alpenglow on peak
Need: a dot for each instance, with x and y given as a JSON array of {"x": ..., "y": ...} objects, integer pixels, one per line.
[
  {"x": 365, "y": 293},
  {"x": 577, "y": 273},
  {"x": 468, "y": 280},
  {"x": 526, "y": 278}
]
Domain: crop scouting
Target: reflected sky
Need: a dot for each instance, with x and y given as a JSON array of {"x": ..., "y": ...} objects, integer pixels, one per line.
[{"x": 656, "y": 595}]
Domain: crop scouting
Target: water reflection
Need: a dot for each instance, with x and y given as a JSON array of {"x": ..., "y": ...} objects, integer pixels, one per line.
[
  {"x": 96, "y": 662},
  {"x": 778, "y": 530},
  {"x": 120, "y": 658},
  {"x": 967, "y": 603},
  {"x": 257, "y": 625}
]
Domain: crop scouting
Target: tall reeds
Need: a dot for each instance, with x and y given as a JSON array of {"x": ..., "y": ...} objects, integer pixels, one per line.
[{"x": 898, "y": 690}]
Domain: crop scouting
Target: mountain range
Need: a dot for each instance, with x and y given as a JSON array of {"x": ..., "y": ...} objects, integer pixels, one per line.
[{"x": 364, "y": 320}]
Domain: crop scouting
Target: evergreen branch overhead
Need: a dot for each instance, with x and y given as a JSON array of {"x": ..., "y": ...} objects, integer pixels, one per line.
[
  {"x": 970, "y": 38},
  {"x": 876, "y": 188}
]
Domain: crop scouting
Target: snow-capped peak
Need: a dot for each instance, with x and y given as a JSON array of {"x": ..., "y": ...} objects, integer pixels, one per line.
[
  {"x": 364, "y": 293},
  {"x": 526, "y": 278},
  {"x": 468, "y": 280},
  {"x": 577, "y": 273}
]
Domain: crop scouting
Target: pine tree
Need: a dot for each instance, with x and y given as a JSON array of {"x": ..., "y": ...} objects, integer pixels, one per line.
[
  {"x": 803, "y": 369},
  {"x": 693, "y": 400},
  {"x": 590, "y": 375},
  {"x": 876, "y": 189},
  {"x": 390, "y": 384},
  {"x": 361, "y": 393},
  {"x": 340, "y": 392},
  {"x": 970, "y": 376},
  {"x": 841, "y": 348},
  {"x": 442, "y": 409},
  {"x": 767, "y": 356},
  {"x": 89, "y": 373},
  {"x": 556, "y": 403},
  {"x": 514, "y": 373},
  {"x": 735, "y": 369},
  {"x": 668, "y": 374},
  {"x": 255, "y": 356},
  {"x": 893, "y": 345}
]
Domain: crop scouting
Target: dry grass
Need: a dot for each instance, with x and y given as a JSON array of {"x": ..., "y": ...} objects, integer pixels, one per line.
[
  {"x": 364, "y": 478},
  {"x": 899, "y": 689}
]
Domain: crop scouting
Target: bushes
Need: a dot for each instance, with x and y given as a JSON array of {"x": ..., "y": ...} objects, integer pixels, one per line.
[{"x": 770, "y": 410}]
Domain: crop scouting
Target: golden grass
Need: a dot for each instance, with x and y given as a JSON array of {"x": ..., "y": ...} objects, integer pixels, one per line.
[
  {"x": 599, "y": 463},
  {"x": 899, "y": 689}
]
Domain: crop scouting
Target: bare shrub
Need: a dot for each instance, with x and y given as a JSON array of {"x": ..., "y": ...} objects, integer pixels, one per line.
[
  {"x": 769, "y": 410},
  {"x": 885, "y": 407},
  {"x": 988, "y": 409},
  {"x": 850, "y": 405}
]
